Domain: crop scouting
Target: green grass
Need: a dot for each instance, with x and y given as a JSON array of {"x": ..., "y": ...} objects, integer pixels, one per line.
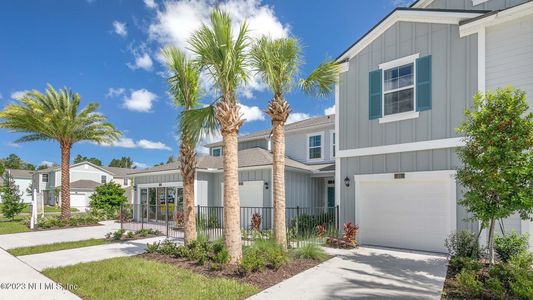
[
  {"x": 8, "y": 226},
  {"x": 137, "y": 278},
  {"x": 56, "y": 247}
]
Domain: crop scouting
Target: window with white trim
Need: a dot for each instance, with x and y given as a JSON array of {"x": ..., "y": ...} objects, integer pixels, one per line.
[
  {"x": 333, "y": 144},
  {"x": 314, "y": 146},
  {"x": 216, "y": 151},
  {"x": 399, "y": 89},
  {"x": 45, "y": 177},
  {"x": 103, "y": 179}
]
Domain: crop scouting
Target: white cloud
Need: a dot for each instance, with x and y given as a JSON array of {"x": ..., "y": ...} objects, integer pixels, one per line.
[
  {"x": 201, "y": 149},
  {"x": 142, "y": 62},
  {"x": 124, "y": 142},
  {"x": 140, "y": 100},
  {"x": 18, "y": 94},
  {"x": 120, "y": 28},
  {"x": 330, "y": 110},
  {"x": 146, "y": 144},
  {"x": 251, "y": 113},
  {"x": 140, "y": 165},
  {"x": 47, "y": 163},
  {"x": 295, "y": 117},
  {"x": 14, "y": 145},
  {"x": 114, "y": 92},
  {"x": 150, "y": 3}
]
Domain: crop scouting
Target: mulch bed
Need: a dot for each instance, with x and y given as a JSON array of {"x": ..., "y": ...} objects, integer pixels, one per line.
[{"x": 262, "y": 279}]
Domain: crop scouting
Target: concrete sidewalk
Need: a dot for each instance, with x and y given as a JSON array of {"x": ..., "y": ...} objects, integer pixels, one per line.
[
  {"x": 87, "y": 254},
  {"x": 20, "y": 281},
  {"x": 367, "y": 273},
  {"x": 26, "y": 239}
]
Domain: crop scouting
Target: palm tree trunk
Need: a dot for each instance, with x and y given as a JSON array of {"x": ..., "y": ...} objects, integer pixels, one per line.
[
  {"x": 65, "y": 180},
  {"x": 188, "y": 170},
  {"x": 279, "y": 110},
  {"x": 230, "y": 121}
]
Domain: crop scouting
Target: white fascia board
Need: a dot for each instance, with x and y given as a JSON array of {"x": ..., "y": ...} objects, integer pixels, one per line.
[
  {"x": 344, "y": 67},
  {"x": 503, "y": 16},
  {"x": 417, "y": 16},
  {"x": 404, "y": 147}
]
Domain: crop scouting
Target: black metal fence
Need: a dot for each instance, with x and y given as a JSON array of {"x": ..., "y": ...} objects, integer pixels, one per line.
[{"x": 303, "y": 224}]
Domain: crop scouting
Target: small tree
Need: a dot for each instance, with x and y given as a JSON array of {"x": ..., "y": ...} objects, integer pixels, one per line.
[
  {"x": 497, "y": 169},
  {"x": 11, "y": 198},
  {"x": 108, "y": 197}
]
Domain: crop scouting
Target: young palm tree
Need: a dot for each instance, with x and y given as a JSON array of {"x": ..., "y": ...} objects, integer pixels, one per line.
[
  {"x": 184, "y": 86},
  {"x": 55, "y": 115},
  {"x": 277, "y": 61},
  {"x": 224, "y": 58}
]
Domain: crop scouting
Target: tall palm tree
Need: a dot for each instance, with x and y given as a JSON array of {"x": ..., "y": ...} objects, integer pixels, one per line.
[
  {"x": 278, "y": 61},
  {"x": 185, "y": 89},
  {"x": 55, "y": 115},
  {"x": 224, "y": 57}
]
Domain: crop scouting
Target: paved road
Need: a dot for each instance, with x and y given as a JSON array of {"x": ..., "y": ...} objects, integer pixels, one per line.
[
  {"x": 62, "y": 258},
  {"x": 26, "y": 239},
  {"x": 367, "y": 273},
  {"x": 29, "y": 284}
]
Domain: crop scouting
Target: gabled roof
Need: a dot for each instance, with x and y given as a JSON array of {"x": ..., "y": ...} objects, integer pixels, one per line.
[
  {"x": 118, "y": 172},
  {"x": 300, "y": 125},
  {"x": 84, "y": 185},
  {"x": 253, "y": 157},
  {"x": 24, "y": 174},
  {"x": 408, "y": 14}
]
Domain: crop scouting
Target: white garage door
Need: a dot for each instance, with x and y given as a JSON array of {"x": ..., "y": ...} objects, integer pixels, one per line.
[
  {"x": 250, "y": 193},
  {"x": 79, "y": 201},
  {"x": 413, "y": 213}
]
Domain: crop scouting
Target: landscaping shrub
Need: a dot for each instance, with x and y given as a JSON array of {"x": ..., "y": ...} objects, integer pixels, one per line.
[
  {"x": 108, "y": 198},
  {"x": 305, "y": 225},
  {"x": 130, "y": 235},
  {"x": 496, "y": 288},
  {"x": 49, "y": 222},
  {"x": 463, "y": 244},
  {"x": 152, "y": 248},
  {"x": 311, "y": 251},
  {"x": 511, "y": 245},
  {"x": 256, "y": 221},
  {"x": 468, "y": 283},
  {"x": 458, "y": 263},
  {"x": 12, "y": 202},
  {"x": 117, "y": 235},
  {"x": 350, "y": 232},
  {"x": 262, "y": 254},
  {"x": 521, "y": 270},
  {"x": 167, "y": 247}
]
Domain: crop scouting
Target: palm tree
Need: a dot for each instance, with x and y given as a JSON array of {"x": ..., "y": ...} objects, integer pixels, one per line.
[
  {"x": 186, "y": 92},
  {"x": 277, "y": 61},
  {"x": 55, "y": 115},
  {"x": 224, "y": 57}
]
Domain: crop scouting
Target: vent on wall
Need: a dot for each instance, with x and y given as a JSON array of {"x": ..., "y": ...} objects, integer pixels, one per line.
[{"x": 399, "y": 175}]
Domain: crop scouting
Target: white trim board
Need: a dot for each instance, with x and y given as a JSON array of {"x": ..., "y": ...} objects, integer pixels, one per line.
[
  {"x": 418, "y": 16},
  {"x": 405, "y": 147}
]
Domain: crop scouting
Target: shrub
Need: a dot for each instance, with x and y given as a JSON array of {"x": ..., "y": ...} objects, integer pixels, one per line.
[
  {"x": 511, "y": 245},
  {"x": 517, "y": 274},
  {"x": 117, "y": 235},
  {"x": 130, "y": 235},
  {"x": 108, "y": 197},
  {"x": 350, "y": 232},
  {"x": 495, "y": 287},
  {"x": 468, "y": 284},
  {"x": 180, "y": 219},
  {"x": 12, "y": 202},
  {"x": 305, "y": 224},
  {"x": 167, "y": 247},
  {"x": 463, "y": 244},
  {"x": 311, "y": 251},
  {"x": 458, "y": 263},
  {"x": 152, "y": 248},
  {"x": 321, "y": 230},
  {"x": 256, "y": 221},
  {"x": 262, "y": 253}
]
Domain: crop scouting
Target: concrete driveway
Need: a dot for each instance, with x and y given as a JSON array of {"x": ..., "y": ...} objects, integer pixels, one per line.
[{"x": 367, "y": 273}]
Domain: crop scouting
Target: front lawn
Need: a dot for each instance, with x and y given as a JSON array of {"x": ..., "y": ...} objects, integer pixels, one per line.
[
  {"x": 137, "y": 278},
  {"x": 16, "y": 226},
  {"x": 56, "y": 247}
]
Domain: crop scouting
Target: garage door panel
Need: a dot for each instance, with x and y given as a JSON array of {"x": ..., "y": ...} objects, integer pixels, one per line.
[{"x": 404, "y": 213}]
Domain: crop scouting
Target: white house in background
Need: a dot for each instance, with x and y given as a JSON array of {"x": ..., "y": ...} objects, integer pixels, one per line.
[
  {"x": 23, "y": 179},
  {"x": 85, "y": 177}
]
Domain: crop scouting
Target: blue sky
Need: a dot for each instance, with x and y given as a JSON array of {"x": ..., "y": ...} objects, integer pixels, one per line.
[{"x": 107, "y": 50}]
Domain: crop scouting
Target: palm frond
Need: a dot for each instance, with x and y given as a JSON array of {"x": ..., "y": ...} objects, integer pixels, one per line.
[
  {"x": 185, "y": 78},
  {"x": 196, "y": 124},
  {"x": 321, "y": 82}
]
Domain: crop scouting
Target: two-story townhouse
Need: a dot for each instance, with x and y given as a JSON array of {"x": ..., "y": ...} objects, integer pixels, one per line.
[
  {"x": 85, "y": 177},
  {"x": 23, "y": 180},
  {"x": 309, "y": 174},
  {"x": 402, "y": 93}
]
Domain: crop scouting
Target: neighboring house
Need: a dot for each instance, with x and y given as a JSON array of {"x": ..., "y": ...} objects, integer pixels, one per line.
[
  {"x": 309, "y": 172},
  {"x": 402, "y": 93},
  {"x": 85, "y": 177},
  {"x": 23, "y": 179}
]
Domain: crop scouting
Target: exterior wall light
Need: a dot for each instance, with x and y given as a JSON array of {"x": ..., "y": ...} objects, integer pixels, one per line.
[
  {"x": 266, "y": 185},
  {"x": 347, "y": 181}
]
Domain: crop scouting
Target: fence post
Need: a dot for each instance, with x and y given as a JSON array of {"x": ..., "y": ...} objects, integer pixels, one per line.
[
  {"x": 337, "y": 219},
  {"x": 297, "y": 226},
  {"x": 142, "y": 216},
  {"x": 198, "y": 226},
  {"x": 121, "y": 216},
  {"x": 166, "y": 214}
]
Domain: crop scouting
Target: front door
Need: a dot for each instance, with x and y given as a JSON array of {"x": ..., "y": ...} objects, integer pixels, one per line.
[{"x": 331, "y": 196}]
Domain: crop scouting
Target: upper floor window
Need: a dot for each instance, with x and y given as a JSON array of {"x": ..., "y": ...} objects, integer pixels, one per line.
[
  {"x": 45, "y": 177},
  {"x": 103, "y": 179},
  {"x": 399, "y": 89},
  {"x": 333, "y": 144},
  {"x": 314, "y": 146},
  {"x": 216, "y": 151}
]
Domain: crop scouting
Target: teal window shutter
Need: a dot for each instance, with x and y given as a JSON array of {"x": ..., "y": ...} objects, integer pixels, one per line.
[
  {"x": 375, "y": 94},
  {"x": 423, "y": 83}
]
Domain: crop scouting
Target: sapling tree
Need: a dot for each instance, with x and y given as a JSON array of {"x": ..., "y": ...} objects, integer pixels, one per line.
[
  {"x": 12, "y": 203},
  {"x": 497, "y": 169}
]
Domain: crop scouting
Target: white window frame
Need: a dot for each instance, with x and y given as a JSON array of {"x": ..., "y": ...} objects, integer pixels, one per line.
[
  {"x": 103, "y": 179},
  {"x": 321, "y": 134},
  {"x": 411, "y": 59},
  {"x": 216, "y": 148},
  {"x": 332, "y": 145}
]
